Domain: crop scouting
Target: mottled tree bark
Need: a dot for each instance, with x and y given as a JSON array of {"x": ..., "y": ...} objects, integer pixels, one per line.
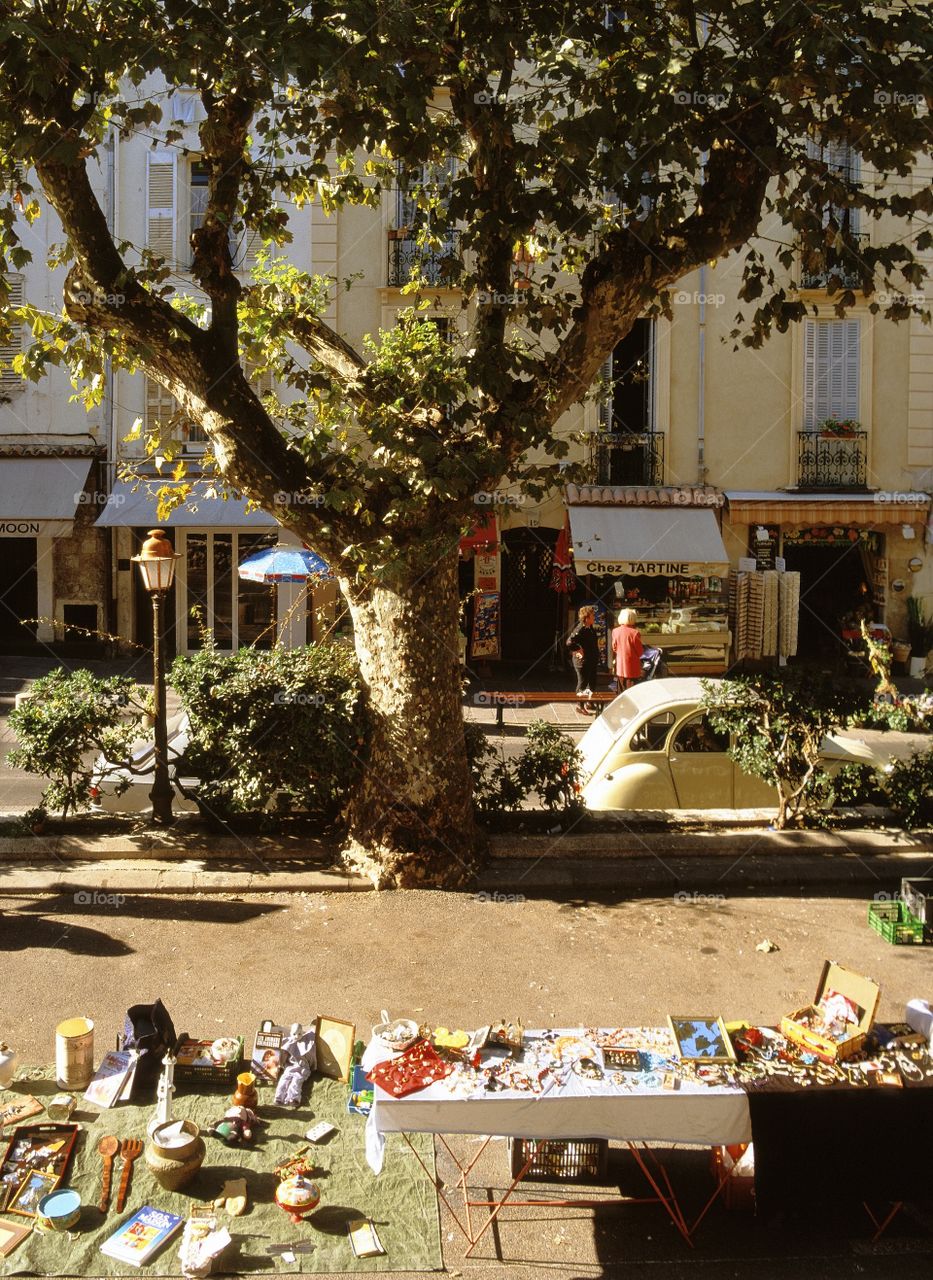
[{"x": 411, "y": 817}]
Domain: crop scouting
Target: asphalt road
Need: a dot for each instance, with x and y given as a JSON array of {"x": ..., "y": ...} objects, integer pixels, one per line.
[{"x": 222, "y": 964}]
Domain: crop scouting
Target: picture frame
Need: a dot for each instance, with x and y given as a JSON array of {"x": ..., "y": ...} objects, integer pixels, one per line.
[
  {"x": 334, "y": 1040},
  {"x": 701, "y": 1038},
  {"x": 30, "y": 1191},
  {"x": 11, "y": 1233}
]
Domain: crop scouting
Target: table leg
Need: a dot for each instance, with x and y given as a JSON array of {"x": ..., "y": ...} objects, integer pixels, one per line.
[
  {"x": 439, "y": 1188},
  {"x": 670, "y": 1200},
  {"x": 882, "y": 1226}
]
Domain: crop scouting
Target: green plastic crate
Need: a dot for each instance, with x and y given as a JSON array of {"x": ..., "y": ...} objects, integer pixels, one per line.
[{"x": 895, "y": 923}]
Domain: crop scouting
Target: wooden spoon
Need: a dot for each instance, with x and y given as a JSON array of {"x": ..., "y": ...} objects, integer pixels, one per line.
[{"x": 108, "y": 1148}]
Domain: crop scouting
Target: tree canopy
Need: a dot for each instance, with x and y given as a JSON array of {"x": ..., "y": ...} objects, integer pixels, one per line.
[{"x": 606, "y": 152}]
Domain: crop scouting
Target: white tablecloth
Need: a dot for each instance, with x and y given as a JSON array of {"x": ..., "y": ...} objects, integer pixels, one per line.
[{"x": 692, "y": 1114}]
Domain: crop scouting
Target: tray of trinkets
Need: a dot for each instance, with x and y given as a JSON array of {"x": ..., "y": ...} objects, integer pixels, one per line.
[
  {"x": 834, "y": 1027},
  {"x": 34, "y": 1164}
]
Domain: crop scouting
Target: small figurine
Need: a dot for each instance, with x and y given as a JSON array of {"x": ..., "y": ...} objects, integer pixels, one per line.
[{"x": 238, "y": 1126}]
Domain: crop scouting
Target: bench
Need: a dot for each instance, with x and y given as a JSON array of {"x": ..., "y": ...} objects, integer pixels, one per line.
[{"x": 502, "y": 698}]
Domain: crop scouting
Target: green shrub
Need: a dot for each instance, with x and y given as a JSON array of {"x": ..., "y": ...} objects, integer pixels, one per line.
[
  {"x": 67, "y": 720},
  {"x": 777, "y": 726},
  {"x": 282, "y": 726},
  {"x": 548, "y": 769},
  {"x": 908, "y": 785}
]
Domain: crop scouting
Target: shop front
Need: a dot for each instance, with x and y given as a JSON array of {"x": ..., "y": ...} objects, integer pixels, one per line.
[
  {"x": 858, "y": 558},
  {"x": 212, "y": 537},
  {"x": 661, "y": 553},
  {"x": 53, "y": 566}
]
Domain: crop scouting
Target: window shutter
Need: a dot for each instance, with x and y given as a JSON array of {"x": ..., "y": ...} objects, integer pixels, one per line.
[
  {"x": 831, "y": 370},
  {"x": 850, "y": 362},
  {"x": 160, "y": 200},
  {"x": 161, "y": 405},
  {"x": 605, "y": 396},
  {"x": 244, "y": 254},
  {"x": 10, "y": 381},
  {"x": 407, "y": 212}
]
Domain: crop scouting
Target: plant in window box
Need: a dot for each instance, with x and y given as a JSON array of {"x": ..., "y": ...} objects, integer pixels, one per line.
[{"x": 838, "y": 427}]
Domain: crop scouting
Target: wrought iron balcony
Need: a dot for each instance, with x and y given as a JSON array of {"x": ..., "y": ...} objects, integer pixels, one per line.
[
  {"x": 629, "y": 457},
  {"x": 407, "y": 257},
  {"x": 827, "y": 461},
  {"x": 843, "y": 265}
]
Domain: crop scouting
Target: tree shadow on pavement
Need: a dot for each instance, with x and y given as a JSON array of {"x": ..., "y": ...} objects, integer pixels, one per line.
[{"x": 81, "y": 922}]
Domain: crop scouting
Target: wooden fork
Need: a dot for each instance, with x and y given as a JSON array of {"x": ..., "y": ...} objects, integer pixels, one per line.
[{"x": 130, "y": 1148}]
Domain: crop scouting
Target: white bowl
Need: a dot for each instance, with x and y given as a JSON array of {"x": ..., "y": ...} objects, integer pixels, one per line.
[{"x": 395, "y": 1035}]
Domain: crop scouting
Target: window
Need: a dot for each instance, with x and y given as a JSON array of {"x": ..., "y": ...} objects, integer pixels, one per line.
[
  {"x": 243, "y": 248},
  {"x": 409, "y": 214},
  {"x": 652, "y": 735},
  {"x": 698, "y": 735},
  {"x": 11, "y": 347},
  {"x": 161, "y": 408},
  {"x": 844, "y": 162},
  {"x": 628, "y": 374},
  {"x": 831, "y": 371},
  {"x": 186, "y": 107}
]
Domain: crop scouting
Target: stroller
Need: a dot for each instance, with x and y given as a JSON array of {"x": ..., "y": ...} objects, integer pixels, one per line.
[{"x": 653, "y": 666}]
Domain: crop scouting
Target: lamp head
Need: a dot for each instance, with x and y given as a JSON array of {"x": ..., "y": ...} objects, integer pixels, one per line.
[{"x": 156, "y": 561}]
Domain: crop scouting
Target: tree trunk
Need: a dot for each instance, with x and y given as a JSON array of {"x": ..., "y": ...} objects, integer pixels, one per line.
[{"x": 411, "y": 818}]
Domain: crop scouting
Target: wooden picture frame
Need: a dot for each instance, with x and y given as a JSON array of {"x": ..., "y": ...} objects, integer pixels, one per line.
[
  {"x": 334, "y": 1040},
  {"x": 11, "y": 1234},
  {"x": 701, "y": 1038},
  {"x": 30, "y": 1191}
]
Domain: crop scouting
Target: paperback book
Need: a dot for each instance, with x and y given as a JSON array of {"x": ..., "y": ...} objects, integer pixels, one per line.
[
  {"x": 364, "y": 1241},
  {"x": 139, "y": 1239},
  {"x": 268, "y": 1057},
  {"x": 113, "y": 1079}
]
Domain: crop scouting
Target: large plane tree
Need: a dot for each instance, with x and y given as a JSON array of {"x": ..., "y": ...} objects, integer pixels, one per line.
[{"x": 598, "y": 154}]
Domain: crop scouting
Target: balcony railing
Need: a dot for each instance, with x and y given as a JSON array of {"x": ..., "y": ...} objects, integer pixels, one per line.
[
  {"x": 832, "y": 462},
  {"x": 629, "y": 457},
  {"x": 436, "y": 266},
  {"x": 843, "y": 265}
]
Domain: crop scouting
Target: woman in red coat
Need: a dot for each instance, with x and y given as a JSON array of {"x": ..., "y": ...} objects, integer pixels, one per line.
[{"x": 627, "y": 650}]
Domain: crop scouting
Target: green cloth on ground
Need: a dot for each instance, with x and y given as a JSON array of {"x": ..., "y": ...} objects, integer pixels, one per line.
[{"x": 401, "y": 1201}]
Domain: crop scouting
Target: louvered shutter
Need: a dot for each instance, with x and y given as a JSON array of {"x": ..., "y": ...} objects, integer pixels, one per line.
[
  {"x": 831, "y": 370},
  {"x": 161, "y": 405},
  {"x": 244, "y": 255},
  {"x": 161, "y": 204},
  {"x": 605, "y": 396},
  {"x": 10, "y": 381}
]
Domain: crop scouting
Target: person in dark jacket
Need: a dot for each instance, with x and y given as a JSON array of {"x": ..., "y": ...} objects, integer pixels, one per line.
[{"x": 583, "y": 643}]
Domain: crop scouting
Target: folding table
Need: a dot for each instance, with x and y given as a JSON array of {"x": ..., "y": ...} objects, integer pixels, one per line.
[{"x": 642, "y": 1114}]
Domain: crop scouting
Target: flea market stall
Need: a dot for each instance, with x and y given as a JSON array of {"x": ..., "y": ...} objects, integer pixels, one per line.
[{"x": 314, "y": 1152}]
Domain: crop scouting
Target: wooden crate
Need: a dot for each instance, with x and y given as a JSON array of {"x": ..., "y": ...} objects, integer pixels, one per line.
[{"x": 864, "y": 993}]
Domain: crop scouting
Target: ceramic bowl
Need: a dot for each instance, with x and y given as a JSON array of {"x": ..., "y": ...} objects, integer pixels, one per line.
[
  {"x": 225, "y": 1050},
  {"x": 59, "y": 1210},
  {"x": 395, "y": 1035}
]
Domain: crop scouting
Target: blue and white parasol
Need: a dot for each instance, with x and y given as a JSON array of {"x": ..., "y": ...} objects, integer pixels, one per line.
[{"x": 284, "y": 564}]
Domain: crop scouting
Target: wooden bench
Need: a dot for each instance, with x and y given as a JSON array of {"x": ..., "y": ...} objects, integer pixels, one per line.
[{"x": 503, "y": 698}]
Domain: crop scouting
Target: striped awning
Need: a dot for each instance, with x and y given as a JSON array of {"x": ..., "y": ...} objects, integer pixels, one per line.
[{"x": 803, "y": 509}]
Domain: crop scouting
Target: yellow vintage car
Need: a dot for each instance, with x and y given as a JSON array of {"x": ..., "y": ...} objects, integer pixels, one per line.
[{"x": 652, "y": 748}]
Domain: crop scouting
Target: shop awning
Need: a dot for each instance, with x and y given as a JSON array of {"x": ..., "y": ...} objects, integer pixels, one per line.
[
  {"x": 39, "y": 496},
  {"x": 139, "y": 509},
  {"x": 482, "y": 536},
  {"x": 802, "y": 509},
  {"x": 647, "y": 541}
]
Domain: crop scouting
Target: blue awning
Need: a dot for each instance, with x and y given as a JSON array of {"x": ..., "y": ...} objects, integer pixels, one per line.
[{"x": 138, "y": 509}]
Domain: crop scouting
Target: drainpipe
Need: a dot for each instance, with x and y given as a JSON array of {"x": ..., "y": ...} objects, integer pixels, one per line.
[
  {"x": 107, "y": 405},
  {"x": 701, "y": 383}
]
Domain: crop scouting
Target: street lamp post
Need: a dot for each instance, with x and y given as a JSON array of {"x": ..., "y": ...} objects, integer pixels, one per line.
[{"x": 156, "y": 562}]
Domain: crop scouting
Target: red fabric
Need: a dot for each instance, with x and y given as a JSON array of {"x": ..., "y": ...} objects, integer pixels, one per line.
[
  {"x": 415, "y": 1069},
  {"x": 627, "y": 649}
]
